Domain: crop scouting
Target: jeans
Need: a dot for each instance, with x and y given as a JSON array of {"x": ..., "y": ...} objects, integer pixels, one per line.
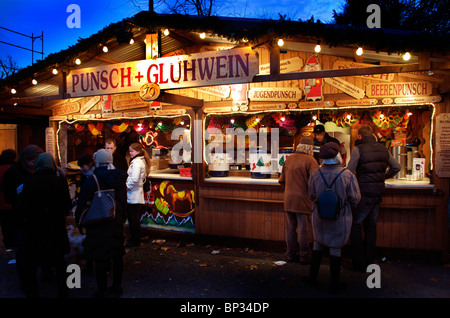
[
  {"x": 364, "y": 218},
  {"x": 297, "y": 243}
]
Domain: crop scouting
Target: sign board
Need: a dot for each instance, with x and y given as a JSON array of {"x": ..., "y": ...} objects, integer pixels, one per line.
[
  {"x": 201, "y": 69},
  {"x": 89, "y": 104},
  {"x": 222, "y": 91},
  {"x": 294, "y": 64},
  {"x": 267, "y": 107},
  {"x": 435, "y": 76},
  {"x": 443, "y": 145},
  {"x": 423, "y": 99},
  {"x": 346, "y": 87},
  {"x": 400, "y": 89},
  {"x": 360, "y": 102},
  {"x": 65, "y": 109},
  {"x": 387, "y": 77},
  {"x": 274, "y": 94}
]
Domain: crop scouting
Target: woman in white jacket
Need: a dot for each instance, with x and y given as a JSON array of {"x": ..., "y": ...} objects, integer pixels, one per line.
[{"x": 137, "y": 172}]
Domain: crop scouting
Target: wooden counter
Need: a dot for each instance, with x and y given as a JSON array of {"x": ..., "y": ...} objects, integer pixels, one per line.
[{"x": 412, "y": 214}]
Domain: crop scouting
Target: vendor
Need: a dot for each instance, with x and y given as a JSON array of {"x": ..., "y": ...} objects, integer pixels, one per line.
[{"x": 321, "y": 137}]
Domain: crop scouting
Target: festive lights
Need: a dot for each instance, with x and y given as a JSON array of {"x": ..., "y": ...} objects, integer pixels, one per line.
[
  {"x": 359, "y": 51},
  {"x": 280, "y": 42}
]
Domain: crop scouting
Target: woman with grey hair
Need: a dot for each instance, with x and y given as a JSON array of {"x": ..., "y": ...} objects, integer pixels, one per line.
[
  {"x": 331, "y": 234},
  {"x": 297, "y": 206}
]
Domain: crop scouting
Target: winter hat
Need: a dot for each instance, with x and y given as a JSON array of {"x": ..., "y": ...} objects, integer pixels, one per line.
[
  {"x": 329, "y": 150},
  {"x": 318, "y": 129},
  {"x": 103, "y": 156},
  {"x": 85, "y": 159},
  {"x": 307, "y": 141},
  {"x": 45, "y": 161}
]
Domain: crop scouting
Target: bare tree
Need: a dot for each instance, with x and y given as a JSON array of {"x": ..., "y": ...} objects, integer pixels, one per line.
[
  {"x": 8, "y": 66},
  {"x": 191, "y": 7}
]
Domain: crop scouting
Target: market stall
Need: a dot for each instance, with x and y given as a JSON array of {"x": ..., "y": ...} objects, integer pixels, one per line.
[{"x": 239, "y": 98}]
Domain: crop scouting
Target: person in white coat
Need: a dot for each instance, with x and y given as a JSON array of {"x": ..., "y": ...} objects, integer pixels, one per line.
[{"x": 137, "y": 172}]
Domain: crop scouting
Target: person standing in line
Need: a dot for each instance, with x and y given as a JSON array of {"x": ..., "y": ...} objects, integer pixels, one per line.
[
  {"x": 7, "y": 159},
  {"x": 329, "y": 233},
  {"x": 297, "y": 204},
  {"x": 44, "y": 204},
  {"x": 373, "y": 164},
  {"x": 119, "y": 161},
  {"x": 137, "y": 172},
  {"x": 104, "y": 242},
  {"x": 87, "y": 166},
  {"x": 13, "y": 180}
]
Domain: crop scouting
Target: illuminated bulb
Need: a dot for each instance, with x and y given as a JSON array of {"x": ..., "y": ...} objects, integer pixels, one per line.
[
  {"x": 349, "y": 116},
  {"x": 406, "y": 56},
  {"x": 317, "y": 48},
  {"x": 314, "y": 117},
  {"x": 77, "y": 61},
  {"x": 131, "y": 41},
  {"x": 202, "y": 35},
  {"x": 232, "y": 121},
  {"x": 382, "y": 116},
  {"x": 181, "y": 123},
  {"x": 283, "y": 119},
  {"x": 160, "y": 124},
  {"x": 105, "y": 49},
  {"x": 409, "y": 114},
  {"x": 257, "y": 120},
  {"x": 166, "y": 32},
  {"x": 34, "y": 81},
  {"x": 359, "y": 51},
  {"x": 280, "y": 42},
  {"x": 15, "y": 104},
  {"x": 55, "y": 71},
  {"x": 13, "y": 91}
]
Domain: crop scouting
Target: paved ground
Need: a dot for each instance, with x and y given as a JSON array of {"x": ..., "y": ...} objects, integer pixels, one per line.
[{"x": 173, "y": 269}]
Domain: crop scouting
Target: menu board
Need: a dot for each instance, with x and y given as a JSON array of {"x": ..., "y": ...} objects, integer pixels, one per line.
[{"x": 443, "y": 145}]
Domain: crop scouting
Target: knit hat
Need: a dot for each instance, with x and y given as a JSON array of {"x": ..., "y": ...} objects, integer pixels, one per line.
[
  {"x": 307, "y": 141},
  {"x": 318, "y": 129},
  {"x": 85, "y": 159},
  {"x": 329, "y": 150},
  {"x": 45, "y": 161},
  {"x": 103, "y": 156}
]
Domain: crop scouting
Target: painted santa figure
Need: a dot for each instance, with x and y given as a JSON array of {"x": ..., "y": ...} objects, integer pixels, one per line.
[{"x": 313, "y": 86}]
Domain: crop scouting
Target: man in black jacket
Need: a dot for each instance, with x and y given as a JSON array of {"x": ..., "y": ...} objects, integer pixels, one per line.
[
  {"x": 321, "y": 137},
  {"x": 370, "y": 162}
]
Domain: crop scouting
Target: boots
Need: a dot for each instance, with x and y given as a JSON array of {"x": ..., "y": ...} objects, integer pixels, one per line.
[
  {"x": 335, "y": 273},
  {"x": 316, "y": 258}
]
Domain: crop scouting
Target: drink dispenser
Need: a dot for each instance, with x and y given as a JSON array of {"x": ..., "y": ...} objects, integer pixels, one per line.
[{"x": 400, "y": 154}]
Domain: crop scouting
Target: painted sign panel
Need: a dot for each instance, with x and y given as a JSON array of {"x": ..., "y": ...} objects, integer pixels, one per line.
[
  {"x": 274, "y": 94},
  {"x": 400, "y": 89},
  {"x": 294, "y": 64},
  {"x": 387, "y": 77},
  {"x": 200, "y": 69},
  {"x": 65, "y": 109},
  {"x": 346, "y": 87}
]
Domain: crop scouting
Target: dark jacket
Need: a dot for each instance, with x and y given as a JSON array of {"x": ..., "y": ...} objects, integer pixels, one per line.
[
  {"x": 371, "y": 167},
  {"x": 104, "y": 241},
  {"x": 44, "y": 204}
]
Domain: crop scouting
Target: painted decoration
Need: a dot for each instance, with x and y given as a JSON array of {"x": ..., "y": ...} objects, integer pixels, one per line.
[
  {"x": 170, "y": 206},
  {"x": 312, "y": 86}
]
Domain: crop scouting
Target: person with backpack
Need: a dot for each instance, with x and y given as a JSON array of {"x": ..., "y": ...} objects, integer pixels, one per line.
[
  {"x": 331, "y": 224},
  {"x": 297, "y": 206}
]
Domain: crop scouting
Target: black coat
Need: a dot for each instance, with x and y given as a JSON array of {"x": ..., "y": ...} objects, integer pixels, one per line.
[
  {"x": 44, "y": 204},
  {"x": 104, "y": 241}
]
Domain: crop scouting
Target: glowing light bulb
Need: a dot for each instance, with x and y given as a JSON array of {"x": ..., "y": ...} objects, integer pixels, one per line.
[
  {"x": 166, "y": 32},
  {"x": 131, "y": 41},
  {"x": 280, "y": 42},
  {"x": 105, "y": 49},
  {"x": 317, "y": 49},
  {"x": 359, "y": 51},
  {"x": 202, "y": 35},
  {"x": 77, "y": 61},
  {"x": 34, "y": 81},
  {"x": 407, "y": 56},
  {"x": 55, "y": 71},
  {"x": 13, "y": 91}
]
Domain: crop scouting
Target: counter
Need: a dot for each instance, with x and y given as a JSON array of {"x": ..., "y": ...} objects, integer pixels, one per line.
[{"x": 170, "y": 174}]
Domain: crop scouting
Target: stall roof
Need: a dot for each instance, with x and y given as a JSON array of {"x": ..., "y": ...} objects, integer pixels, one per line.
[{"x": 380, "y": 45}]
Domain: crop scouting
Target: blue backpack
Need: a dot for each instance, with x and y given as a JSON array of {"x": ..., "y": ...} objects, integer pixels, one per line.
[{"x": 328, "y": 203}]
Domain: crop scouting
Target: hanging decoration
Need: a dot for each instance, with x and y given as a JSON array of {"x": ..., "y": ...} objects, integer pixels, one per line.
[
  {"x": 253, "y": 121},
  {"x": 120, "y": 128},
  {"x": 148, "y": 140},
  {"x": 95, "y": 129},
  {"x": 79, "y": 127}
]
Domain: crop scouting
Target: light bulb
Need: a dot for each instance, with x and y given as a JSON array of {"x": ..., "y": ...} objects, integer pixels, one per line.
[
  {"x": 317, "y": 48},
  {"x": 407, "y": 56},
  {"x": 359, "y": 51},
  {"x": 280, "y": 42}
]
